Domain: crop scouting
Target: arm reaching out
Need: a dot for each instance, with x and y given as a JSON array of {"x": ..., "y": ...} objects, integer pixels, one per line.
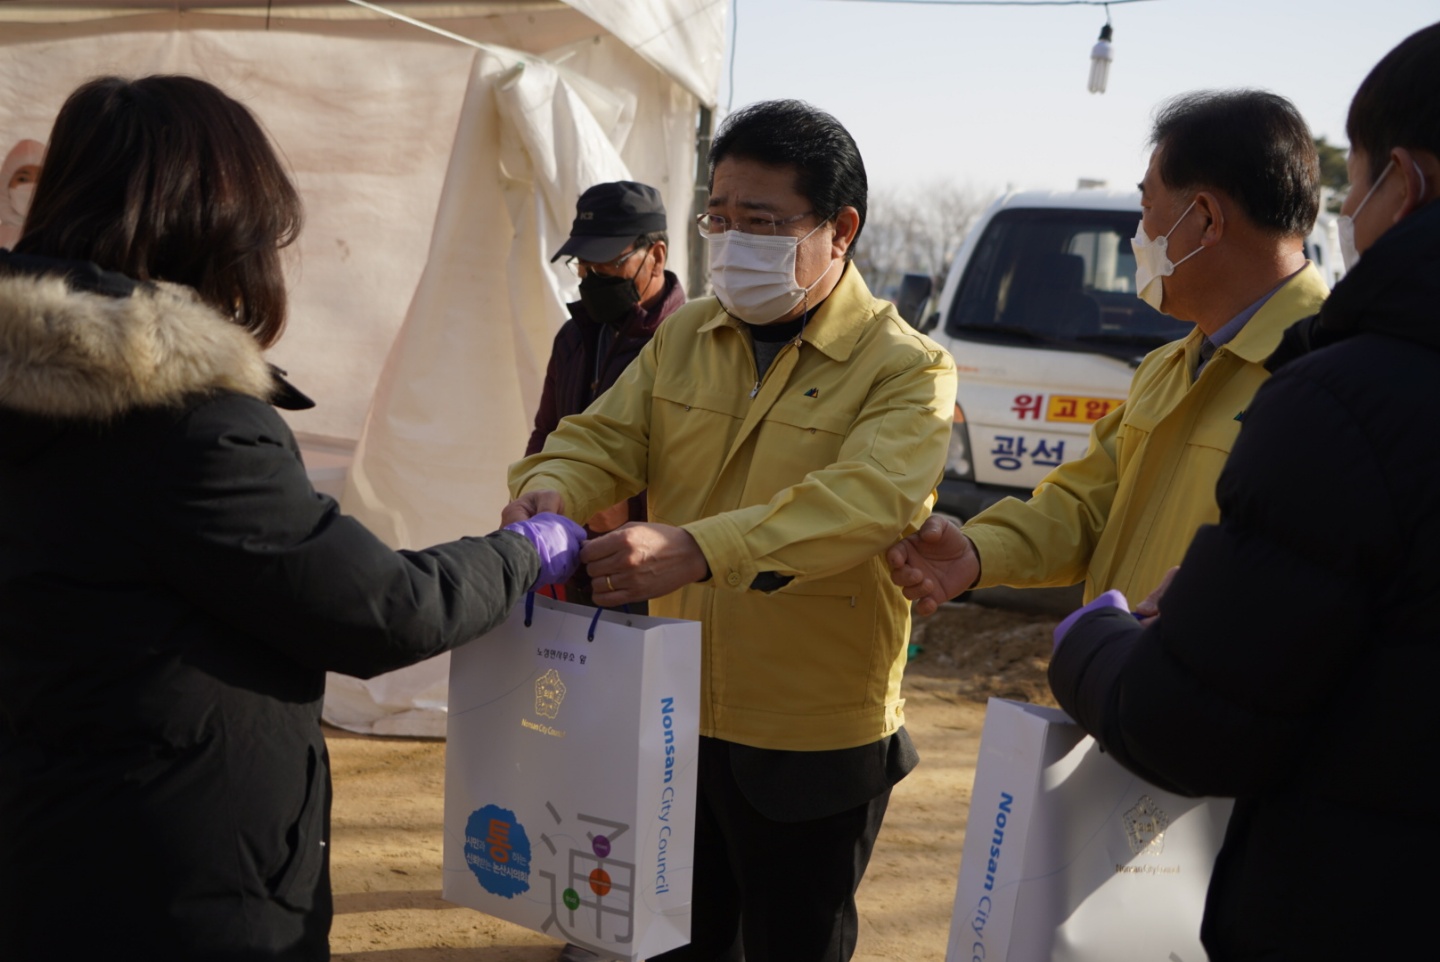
[
  {"x": 557, "y": 541},
  {"x": 934, "y": 564},
  {"x": 530, "y": 504}
]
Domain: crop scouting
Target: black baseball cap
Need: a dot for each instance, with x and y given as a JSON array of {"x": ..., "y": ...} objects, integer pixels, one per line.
[{"x": 609, "y": 218}]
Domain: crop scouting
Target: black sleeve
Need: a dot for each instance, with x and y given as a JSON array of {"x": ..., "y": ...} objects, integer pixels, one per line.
[
  {"x": 547, "y": 415},
  {"x": 243, "y": 534},
  {"x": 1268, "y": 612}
]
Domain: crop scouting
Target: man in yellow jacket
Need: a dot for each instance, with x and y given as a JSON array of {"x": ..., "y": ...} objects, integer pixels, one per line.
[
  {"x": 787, "y": 431},
  {"x": 1231, "y": 191}
]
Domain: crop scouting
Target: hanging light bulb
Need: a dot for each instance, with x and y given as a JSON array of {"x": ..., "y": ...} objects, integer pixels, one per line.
[{"x": 1100, "y": 56}]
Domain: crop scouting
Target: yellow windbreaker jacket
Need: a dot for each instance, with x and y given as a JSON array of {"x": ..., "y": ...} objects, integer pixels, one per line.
[
  {"x": 1123, "y": 515},
  {"x": 811, "y": 472}
]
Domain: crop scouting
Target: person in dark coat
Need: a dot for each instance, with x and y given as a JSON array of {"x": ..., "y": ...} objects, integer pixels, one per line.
[
  {"x": 617, "y": 245},
  {"x": 172, "y": 589},
  {"x": 1287, "y": 664}
]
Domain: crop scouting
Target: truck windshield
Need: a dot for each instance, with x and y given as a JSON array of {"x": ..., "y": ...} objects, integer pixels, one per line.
[{"x": 1059, "y": 279}]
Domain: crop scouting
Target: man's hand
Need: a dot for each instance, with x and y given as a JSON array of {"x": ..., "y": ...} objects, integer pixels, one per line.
[
  {"x": 640, "y": 561},
  {"x": 1149, "y": 609},
  {"x": 530, "y": 504},
  {"x": 934, "y": 564}
]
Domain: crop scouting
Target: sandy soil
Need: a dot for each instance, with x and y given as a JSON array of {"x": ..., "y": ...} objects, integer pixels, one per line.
[{"x": 388, "y": 813}]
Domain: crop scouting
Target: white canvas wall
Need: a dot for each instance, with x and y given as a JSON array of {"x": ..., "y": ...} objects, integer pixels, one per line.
[
  {"x": 437, "y": 182},
  {"x": 365, "y": 112}
]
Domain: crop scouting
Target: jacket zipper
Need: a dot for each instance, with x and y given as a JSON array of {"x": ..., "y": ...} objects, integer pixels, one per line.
[{"x": 760, "y": 380}]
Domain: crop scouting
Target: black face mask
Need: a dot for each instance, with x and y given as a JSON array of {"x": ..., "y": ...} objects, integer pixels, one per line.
[{"x": 608, "y": 299}]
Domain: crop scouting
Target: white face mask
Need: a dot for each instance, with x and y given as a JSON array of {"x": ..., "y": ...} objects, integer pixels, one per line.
[
  {"x": 1153, "y": 264},
  {"x": 1345, "y": 223},
  {"x": 20, "y": 197},
  {"x": 754, "y": 274}
]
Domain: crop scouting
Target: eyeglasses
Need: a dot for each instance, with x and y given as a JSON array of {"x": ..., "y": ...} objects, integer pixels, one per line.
[
  {"x": 581, "y": 267},
  {"x": 757, "y": 223}
]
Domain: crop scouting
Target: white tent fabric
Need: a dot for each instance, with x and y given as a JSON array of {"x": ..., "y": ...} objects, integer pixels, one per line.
[
  {"x": 445, "y": 424},
  {"x": 374, "y": 118},
  {"x": 365, "y": 109},
  {"x": 366, "y": 139},
  {"x": 447, "y": 418},
  {"x": 682, "y": 40}
]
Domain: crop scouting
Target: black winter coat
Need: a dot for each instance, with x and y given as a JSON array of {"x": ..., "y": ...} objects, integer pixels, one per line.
[
  {"x": 1290, "y": 664},
  {"x": 172, "y": 592}
]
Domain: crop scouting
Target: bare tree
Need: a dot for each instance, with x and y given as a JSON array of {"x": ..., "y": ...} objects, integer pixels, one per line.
[
  {"x": 917, "y": 231},
  {"x": 882, "y": 254}
]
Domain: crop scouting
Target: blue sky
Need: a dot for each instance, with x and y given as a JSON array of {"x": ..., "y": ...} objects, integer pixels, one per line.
[{"x": 992, "y": 97}]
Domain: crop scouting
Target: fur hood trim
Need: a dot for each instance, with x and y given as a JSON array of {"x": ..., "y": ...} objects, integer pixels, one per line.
[{"x": 74, "y": 354}]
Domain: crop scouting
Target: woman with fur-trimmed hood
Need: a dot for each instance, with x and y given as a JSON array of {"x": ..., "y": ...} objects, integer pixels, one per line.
[{"x": 172, "y": 589}]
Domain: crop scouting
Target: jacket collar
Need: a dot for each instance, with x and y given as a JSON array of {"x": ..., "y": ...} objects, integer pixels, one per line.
[
  {"x": 1301, "y": 294},
  {"x": 837, "y": 325},
  {"x": 642, "y": 322},
  {"x": 1391, "y": 291},
  {"x": 70, "y": 348},
  {"x": 1394, "y": 287}
]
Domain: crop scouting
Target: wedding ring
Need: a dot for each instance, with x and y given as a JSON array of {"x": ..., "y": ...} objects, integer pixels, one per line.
[{"x": 609, "y": 585}]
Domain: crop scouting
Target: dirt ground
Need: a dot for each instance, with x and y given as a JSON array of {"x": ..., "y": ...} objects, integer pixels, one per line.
[{"x": 389, "y": 806}]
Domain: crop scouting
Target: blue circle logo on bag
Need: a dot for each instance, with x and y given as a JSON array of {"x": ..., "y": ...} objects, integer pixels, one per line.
[{"x": 498, "y": 851}]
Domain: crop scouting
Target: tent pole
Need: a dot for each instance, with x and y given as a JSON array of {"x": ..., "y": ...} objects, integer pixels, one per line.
[{"x": 698, "y": 282}]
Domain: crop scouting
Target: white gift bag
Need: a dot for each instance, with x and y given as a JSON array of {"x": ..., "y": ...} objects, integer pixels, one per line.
[
  {"x": 570, "y": 776},
  {"x": 1068, "y": 856}
]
